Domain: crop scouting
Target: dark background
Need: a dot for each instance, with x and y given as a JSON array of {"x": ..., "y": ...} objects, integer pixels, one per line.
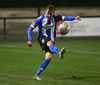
[{"x": 35, "y": 3}]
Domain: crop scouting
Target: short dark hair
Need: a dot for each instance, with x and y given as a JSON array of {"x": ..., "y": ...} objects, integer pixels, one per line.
[{"x": 51, "y": 8}]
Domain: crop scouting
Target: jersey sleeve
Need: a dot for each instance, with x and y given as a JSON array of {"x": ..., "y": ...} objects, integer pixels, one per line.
[
  {"x": 58, "y": 18},
  {"x": 68, "y": 18},
  {"x": 37, "y": 22},
  {"x": 64, "y": 18},
  {"x": 33, "y": 25}
]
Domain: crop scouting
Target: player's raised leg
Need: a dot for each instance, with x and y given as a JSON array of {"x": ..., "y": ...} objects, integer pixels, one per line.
[{"x": 53, "y": 49}]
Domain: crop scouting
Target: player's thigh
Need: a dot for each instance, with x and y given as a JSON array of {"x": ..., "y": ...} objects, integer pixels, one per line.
[
  {"x": 49, "y": 43},
  {"x": 43, "y": 41}
]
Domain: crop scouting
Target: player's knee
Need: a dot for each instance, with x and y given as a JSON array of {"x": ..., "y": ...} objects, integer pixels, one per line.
[
  {"x": 49, "y": 43},
  {"x": 48, "y": 56}
]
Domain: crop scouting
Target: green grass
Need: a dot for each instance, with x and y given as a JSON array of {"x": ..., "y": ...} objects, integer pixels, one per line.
[{"x": 19, "y": 63}]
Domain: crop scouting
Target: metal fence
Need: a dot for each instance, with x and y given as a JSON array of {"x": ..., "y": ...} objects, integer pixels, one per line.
[{"x": 14, "y": 28}]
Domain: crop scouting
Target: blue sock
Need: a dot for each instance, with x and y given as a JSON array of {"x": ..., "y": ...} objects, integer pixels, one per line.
[
  {"x": 54, "y": 49},
  {"x": 42, "y": 67}
]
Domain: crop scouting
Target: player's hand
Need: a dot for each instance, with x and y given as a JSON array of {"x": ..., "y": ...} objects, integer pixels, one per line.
[
  {"x": 29, "y": 43},
  {"x": 78, "y": 18}
]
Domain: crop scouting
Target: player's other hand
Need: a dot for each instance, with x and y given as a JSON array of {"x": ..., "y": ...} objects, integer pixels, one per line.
[
  {"x": 78, "y": 18},
  {"x": 29, "y": 43}
]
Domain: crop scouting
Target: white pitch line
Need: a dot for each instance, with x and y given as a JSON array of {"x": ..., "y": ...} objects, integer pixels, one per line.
[{"x": 87, "y": 52}]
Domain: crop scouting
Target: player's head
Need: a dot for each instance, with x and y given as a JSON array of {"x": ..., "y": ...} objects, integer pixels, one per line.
[{"x": 50, "y": 11}]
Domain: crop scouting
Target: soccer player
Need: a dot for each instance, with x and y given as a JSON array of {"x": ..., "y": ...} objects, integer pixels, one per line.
[{"x": 47, "y": 35}]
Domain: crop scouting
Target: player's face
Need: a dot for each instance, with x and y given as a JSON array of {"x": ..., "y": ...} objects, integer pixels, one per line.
[{"x": 49, "y": 14}]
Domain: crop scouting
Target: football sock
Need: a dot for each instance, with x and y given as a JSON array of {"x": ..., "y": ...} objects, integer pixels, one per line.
[
  {"x": 42, "y": 67},
  {"x": 54, "y": 49}
]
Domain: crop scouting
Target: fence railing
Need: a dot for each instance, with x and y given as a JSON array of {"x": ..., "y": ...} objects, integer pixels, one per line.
[{"x": 4, "y": 19}]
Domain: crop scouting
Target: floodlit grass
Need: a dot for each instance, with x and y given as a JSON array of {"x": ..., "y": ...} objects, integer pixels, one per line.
[{"x": 19, "y": 63}]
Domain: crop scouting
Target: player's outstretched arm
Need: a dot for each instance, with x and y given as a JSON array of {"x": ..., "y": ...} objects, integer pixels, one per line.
[{"x": 70, "y": 18}]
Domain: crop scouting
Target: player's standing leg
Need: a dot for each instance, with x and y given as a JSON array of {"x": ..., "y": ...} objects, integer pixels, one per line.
[{"x": 44, "y": 64}]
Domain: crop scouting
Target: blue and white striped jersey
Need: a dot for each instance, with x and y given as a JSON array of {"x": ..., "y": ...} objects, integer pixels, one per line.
[{"x": 47, "y": 26}]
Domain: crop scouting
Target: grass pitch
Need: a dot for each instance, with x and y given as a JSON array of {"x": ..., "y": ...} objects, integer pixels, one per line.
[{"x": 19, "y": 63}]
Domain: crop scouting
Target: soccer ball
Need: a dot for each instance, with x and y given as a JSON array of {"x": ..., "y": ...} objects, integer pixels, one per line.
[{"x": 63, "y": 28}]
